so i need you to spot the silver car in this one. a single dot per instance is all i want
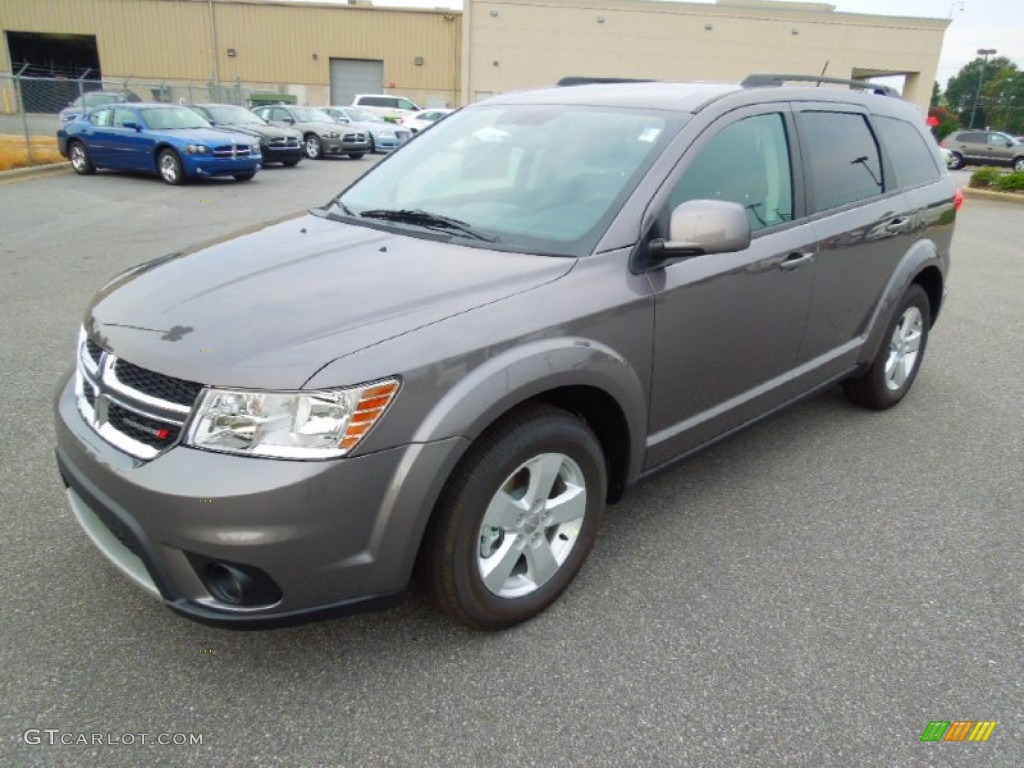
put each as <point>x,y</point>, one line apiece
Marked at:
<point>984,148</point>
<point>384,136</point>
<point>451,368</point>
<point>321,134</point>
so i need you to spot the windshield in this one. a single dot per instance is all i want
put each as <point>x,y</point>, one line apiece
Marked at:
<point>233,115</point>
<point>534,178</point>
<point>363,115</point>
<point>172,117</point>
<point>311,115</point>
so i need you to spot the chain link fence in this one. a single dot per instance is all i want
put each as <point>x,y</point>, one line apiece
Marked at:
<point>31,106</point>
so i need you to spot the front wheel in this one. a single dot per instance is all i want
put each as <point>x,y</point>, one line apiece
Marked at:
<point>313,147</point>
<point>895,367</point>
<point>1018,165</point>
<point>169,165</point>
<point>517,519</point>
<point>956,161</point>
<point>80,160</point>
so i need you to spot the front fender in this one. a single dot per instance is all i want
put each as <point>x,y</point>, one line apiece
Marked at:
<point>525,371</point>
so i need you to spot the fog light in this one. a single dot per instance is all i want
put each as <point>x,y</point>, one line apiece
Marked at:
<point>234,583</point>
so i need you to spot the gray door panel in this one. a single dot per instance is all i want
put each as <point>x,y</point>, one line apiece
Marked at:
<point>725,325</point>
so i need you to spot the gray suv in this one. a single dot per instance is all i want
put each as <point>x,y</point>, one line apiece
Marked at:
<point>450,369</point>
<point>983,148</point>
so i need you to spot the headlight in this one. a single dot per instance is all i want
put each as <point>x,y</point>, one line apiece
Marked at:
<point>387,134</point>
<point>256,149</point>
<point>196,149</point>
<point>322,424</point>
<point>331,135</point>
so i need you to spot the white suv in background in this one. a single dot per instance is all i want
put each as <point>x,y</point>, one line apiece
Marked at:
<point>389,107</point>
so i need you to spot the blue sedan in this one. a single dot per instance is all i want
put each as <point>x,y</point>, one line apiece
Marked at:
<point>169,140</point>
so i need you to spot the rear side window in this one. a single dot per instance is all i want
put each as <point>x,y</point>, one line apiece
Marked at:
<point>843,158</point>
<point>377,101</point>
<point>746,163</point>
<point>912,159</point>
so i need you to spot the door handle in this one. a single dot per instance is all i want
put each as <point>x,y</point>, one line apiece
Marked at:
<point>898,226</point>
<point>795,260</point>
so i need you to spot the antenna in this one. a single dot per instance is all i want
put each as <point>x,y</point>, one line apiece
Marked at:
<point>823,70</point>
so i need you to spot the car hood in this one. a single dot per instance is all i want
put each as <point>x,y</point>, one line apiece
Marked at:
<point>271,307</point>
<point>260,131</point>
<point>211,136</point>
<point>338,128</point>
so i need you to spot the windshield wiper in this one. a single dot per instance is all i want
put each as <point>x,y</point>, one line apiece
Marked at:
<point>427,220</point>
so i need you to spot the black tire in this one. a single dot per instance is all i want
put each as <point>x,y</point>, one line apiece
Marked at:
<point>168,165</point>
<point>312,147</point>
<point>246,176</point>
<point>1018,165</point>
<point>890,377</point>
<point>956,161</point>
<point>373,144</point>
<point>504,460</point>
<point>78,154</point>
<point>356,155</point>
<point>291,162</point>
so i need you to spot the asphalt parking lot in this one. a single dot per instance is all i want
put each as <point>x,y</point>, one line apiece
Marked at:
<point>811,592</point>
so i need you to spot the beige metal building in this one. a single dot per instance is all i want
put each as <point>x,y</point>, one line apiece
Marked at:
<point>302,47</point>
<point>323,53</point>
<point>512,44</point>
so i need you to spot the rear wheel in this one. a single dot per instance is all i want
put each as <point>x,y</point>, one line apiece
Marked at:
<point>895,367</point>
<point>1018,165</point>
<point>956,161</point>
<point>169,165</point>
<point>80,160</point>
<point>517,519</point>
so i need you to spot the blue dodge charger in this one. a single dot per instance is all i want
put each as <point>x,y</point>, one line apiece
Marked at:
<point>169,140</point>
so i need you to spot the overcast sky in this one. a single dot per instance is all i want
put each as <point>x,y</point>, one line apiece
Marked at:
<point>976,24</point>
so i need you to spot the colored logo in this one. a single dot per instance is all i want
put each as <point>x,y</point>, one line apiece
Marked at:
<point>958,730</point>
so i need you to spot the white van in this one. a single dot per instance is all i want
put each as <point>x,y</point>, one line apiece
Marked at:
<point>389,107</point>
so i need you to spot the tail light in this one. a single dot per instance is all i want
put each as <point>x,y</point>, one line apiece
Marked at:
<point>958,199</point>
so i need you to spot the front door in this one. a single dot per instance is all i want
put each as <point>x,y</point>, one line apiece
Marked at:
<point>728,326</point>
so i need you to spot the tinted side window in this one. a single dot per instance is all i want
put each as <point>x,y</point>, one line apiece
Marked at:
<point>405,104</point>
<point>375,101</point>
<point>912,158</point>
<point>746,163</point>
<point>843,157</point>
<point>972,138</point>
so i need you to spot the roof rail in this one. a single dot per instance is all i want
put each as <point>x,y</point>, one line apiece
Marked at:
<point>763,80</point>
<point>575,80</point>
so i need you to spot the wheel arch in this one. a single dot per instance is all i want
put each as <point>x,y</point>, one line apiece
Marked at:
<point>922,265</point>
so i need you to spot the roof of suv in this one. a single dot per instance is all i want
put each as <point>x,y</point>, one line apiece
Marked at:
<point>684,97</point>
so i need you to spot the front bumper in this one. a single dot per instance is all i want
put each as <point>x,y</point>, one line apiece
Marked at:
<point>341,147</point>
<point>205,165</point>
<point>333,536</point>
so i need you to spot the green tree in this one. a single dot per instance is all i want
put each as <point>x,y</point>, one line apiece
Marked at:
<point>962,89</point>
<point>936,94</point>
<point>1004,101</point>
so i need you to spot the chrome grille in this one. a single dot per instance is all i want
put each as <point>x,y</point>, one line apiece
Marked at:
<point>355,137</point>
<point>233,150</point>
<point>281,142</point>
<point>140,412</point>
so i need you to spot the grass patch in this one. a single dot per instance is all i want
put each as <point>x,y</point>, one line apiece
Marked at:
<point>14,153</point>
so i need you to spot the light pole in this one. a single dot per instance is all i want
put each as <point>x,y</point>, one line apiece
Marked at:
<point>984,52</point>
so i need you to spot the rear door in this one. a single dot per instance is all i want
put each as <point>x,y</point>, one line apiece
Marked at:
<point>728,326</point>
<point>863,226</point>
<point>97,136</point>
<point>1000,148</point>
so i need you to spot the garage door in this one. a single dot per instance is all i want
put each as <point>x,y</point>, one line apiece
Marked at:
<point>352,76</point>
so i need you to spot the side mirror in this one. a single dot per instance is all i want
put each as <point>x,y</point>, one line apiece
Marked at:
<point>703,226</point>
<point>131,124</point>
<point>290,120</point>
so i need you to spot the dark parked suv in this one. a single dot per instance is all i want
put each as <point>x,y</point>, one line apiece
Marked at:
<point>453,366</point>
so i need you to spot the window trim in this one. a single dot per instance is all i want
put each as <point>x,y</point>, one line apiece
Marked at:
<point>889,168</point>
